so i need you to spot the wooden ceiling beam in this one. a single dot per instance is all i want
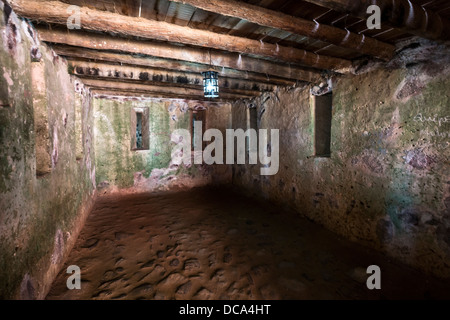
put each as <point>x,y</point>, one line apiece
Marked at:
<point>402,14</point>
<point>167,86</point>
<point>109,93</point>
<point>144,75</point>
<point>56,12</point>
<point>77,53</point>
<point>168,51</point>
<point>278,20</point>
<point>180,90</point>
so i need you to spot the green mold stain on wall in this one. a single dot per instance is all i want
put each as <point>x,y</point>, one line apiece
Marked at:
<point>115,160</point>
<point>32,208</point>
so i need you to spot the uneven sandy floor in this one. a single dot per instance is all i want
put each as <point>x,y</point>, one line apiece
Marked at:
<point>216,244</point>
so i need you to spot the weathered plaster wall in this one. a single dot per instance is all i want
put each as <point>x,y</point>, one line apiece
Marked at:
<point>121,168</point>
<point>40,217</point>
<point>387,182</point>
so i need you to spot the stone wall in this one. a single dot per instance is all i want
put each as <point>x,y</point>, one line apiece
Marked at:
<point>119,167</point>
<point>387,181</point>
<point>41,209</point>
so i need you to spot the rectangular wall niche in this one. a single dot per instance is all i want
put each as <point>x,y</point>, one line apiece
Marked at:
<point>140,130</point>
<point>322,124</point>
<point>78,127</point>
<point>4,94</point>
<point>197,136</point>
<point>43,143</point>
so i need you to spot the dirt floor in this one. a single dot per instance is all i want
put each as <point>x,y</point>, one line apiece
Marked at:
<point>217,244</point>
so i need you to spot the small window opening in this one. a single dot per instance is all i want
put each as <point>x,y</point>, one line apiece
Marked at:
<point>139,130</point>
<point>140,139</point>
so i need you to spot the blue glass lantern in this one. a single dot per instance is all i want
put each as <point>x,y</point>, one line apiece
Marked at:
<point>211,84</point>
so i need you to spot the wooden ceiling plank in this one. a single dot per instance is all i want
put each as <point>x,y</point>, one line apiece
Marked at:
<point>56,12</point>
<point>145,75</point>
<point>152,88</point>
<point>100,93</point>
<point>402,14</point>
<point>282,21</point>
<point>75,53</point>
<point>165,50</point>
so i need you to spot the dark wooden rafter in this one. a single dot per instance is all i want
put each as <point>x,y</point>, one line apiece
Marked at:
<point>168,51</point>
<point>180,90</point>
<point>278,20</point>
<point>110,93</point>
<point>402,14</point>
<point>56,12</point>
<point>111,71</point>
<point>167,86</point>
<point>80,54</point>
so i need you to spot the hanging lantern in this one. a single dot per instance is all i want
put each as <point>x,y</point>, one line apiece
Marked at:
<point>211,84</point>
